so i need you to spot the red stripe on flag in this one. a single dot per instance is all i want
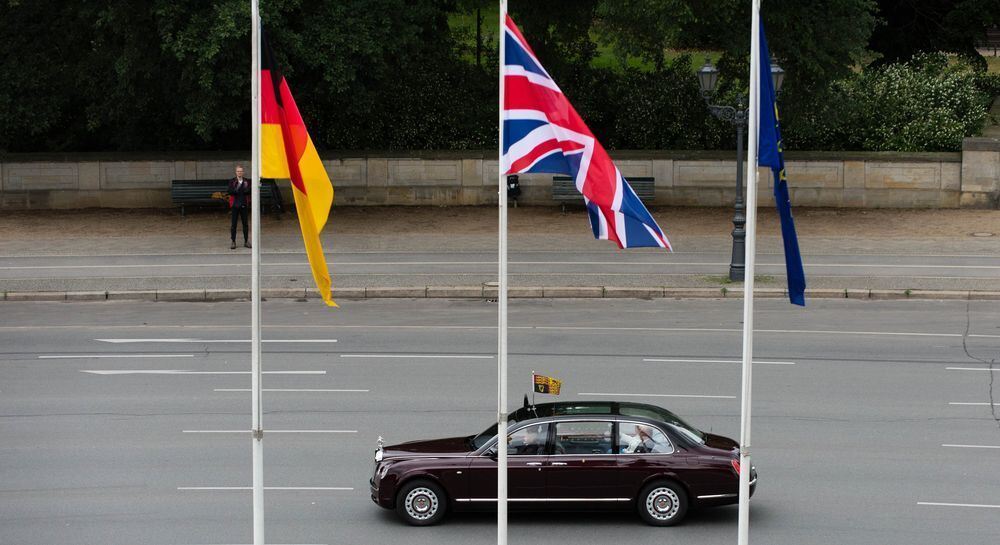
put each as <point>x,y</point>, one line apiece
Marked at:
<point>521,94</point>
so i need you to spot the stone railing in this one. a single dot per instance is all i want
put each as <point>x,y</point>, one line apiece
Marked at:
<point>970,178</point>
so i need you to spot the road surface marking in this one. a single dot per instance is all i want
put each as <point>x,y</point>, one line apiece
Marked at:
<point>958,504</point>
<point>490,263</point>
<point>442,356</point>
<point>971,446</point>
<point>265,488</point>
<point>285,390</point>
<point>665,360</point>
<point>270,431</point>
<point>89,356</point>
<point>975,404</point>
<point>655,395</point>
<point>185,372</point>
<point>970,369</point>
<point>208,341</point>
<point>493,328</point>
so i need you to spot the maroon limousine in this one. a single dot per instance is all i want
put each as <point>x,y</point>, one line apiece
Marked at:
<point>571,455</point>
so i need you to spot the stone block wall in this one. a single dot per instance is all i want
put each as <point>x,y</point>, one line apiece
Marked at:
<point>970,178</point>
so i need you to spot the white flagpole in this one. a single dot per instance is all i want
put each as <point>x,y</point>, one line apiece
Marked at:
<point>502,312</point>
<point>748,281</point>
<point>257,433</point>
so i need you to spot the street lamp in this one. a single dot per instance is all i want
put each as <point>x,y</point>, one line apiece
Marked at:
<point>708,79</point>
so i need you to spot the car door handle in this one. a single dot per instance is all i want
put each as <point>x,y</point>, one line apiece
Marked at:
<point>558,463</point>
<point>533,463</point>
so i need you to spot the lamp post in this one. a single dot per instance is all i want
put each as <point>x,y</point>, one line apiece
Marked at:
<point>708,79</point>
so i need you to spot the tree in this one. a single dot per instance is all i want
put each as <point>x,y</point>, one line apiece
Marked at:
<point>909,27</point>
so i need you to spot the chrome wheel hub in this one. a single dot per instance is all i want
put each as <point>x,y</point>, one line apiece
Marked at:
<point>662,503</point>
<point>421,503</point>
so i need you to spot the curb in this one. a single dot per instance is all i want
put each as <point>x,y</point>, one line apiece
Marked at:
<point>490,292</point>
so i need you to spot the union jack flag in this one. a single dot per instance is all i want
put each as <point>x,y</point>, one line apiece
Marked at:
<point>543,133</point>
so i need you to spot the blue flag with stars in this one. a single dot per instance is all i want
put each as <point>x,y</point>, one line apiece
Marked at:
<point>770,154</point>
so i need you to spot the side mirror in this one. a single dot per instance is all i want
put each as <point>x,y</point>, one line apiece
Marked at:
<point>492,453</point>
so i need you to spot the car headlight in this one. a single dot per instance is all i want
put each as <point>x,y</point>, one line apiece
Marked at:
<point>382,470</point>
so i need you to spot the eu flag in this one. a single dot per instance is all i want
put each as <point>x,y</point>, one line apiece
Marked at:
<point>769,153</point>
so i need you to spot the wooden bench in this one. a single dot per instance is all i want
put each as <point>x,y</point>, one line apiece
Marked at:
<point>215,192</point>
<point>564,189</point>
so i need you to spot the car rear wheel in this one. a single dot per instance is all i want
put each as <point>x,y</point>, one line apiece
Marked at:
<point>662,503</point>
<point>421,503</point>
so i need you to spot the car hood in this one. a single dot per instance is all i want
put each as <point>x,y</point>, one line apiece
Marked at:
<point>720,442</point>
<point>447,446</point>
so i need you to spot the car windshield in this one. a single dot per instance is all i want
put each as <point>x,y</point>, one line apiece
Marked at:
<point>478,441</point>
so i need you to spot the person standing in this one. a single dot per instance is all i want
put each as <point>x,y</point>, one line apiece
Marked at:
<point>239,204</point>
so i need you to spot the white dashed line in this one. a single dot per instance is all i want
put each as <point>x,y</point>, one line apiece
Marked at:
<point>664,360</point>
<point>655,395</point>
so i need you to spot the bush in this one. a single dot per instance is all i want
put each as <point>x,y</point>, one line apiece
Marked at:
<point>925,104</point>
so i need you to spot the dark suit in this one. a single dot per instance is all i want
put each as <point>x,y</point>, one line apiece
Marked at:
<point>239,202</point>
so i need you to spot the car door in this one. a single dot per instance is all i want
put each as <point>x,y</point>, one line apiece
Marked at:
<point>527,461</point>
<point>582,464</point>
<point>643,451</point>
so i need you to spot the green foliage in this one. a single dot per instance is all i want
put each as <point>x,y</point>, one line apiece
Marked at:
<point>925,104</point>
<point>402,74</point>
<point>930,26</point>
<point>664,110</point>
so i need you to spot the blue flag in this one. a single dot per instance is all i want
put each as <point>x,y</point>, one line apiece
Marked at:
<point>769,154</point>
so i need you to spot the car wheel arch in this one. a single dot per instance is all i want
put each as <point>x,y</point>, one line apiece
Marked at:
<point>403,480</point>
<point>662,477</point>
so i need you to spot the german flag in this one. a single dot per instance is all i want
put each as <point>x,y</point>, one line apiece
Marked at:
<point>287,152</point>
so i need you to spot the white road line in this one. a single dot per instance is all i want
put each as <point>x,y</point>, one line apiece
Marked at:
<point>286,390</point>
<point>971,446</point>
<point>665,360</point>
<point>210,341</point>
<point>228,488</point>
<point>939,504</point>
<point>974,404</point>
<point>971,369</point>
<point>493,328</point>
<point>490,263</point>
<point>185,372</point>
<point>90,356</point>
<point>654,395</point>
<point>440,356</point>
<point>727,330</point>
<point>270,431</point>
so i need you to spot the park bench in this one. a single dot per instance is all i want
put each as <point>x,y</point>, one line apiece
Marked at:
<point>564,190</point>
<point>215,192</point>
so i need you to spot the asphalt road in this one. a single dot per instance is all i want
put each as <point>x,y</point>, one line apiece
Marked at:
<point>851,415</point>
<point>604,267</point>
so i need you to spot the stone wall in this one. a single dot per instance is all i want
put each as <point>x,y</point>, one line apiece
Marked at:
<point>970,178</point>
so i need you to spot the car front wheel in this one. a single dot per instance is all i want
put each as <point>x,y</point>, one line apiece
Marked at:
<point>421,503</point>
<point>662,504</point>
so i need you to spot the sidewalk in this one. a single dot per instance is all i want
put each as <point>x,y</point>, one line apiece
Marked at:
<point>964,244</point>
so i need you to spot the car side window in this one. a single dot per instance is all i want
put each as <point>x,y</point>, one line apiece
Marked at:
<point>636,438</point>
<point>528,441</point>
<point>583,438</point>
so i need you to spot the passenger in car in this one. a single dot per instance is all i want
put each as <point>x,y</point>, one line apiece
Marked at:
<point>638,439</point>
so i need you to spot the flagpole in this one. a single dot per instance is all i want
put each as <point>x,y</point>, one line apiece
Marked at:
<point>748,282</point>
<point>502,308</point>
<point>257,432</point>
